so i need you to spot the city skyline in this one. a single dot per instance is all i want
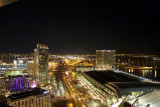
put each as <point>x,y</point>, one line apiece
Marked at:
<point>79,54</point>
<point>104,79</point>
<point>78,27</point>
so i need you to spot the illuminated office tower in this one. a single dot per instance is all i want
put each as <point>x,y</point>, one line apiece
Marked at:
<point>105,59</point>
<point>41,63</point>
<point>36,64</point>
<point>30,67</point>
<point>20,64</point>
<point>5,2</point>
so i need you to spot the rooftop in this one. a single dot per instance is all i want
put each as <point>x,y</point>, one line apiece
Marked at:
<point>28,93</point>
<point>135,84</point>
<point>110,76</point>
<point>152,98</point>
<point>122,83</point>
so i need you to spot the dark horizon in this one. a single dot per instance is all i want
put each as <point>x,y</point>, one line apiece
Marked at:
<point>75,53</point>
<point>81,27</point>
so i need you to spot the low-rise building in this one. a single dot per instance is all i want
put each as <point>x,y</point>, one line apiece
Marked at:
<point>13,81</point>
<point>33,98</point>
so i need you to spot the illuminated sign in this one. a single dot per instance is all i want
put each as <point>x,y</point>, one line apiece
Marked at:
<point>33,84</point>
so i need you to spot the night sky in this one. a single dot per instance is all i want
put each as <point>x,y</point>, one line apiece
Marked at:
<point>81,27</point>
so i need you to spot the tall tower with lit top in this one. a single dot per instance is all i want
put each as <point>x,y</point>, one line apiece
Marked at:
<point>41,63</point>
<point>105,59</point>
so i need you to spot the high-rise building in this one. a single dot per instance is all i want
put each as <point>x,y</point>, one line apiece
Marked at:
<point>30,67</point>
<point>41,63</point>
<point>31,98</point>
<point>105,59</point>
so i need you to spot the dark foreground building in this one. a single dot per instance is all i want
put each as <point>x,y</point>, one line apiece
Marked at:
<point>33,98</point>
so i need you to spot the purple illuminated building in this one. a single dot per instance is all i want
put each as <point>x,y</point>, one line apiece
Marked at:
<point>18,83</point>
<point>13,83</point>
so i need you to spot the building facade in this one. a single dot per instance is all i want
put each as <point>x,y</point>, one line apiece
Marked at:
<point>3,85</point>
<point>18,83</point>
<point>30,67</point>
<point>13,81</point>
<point>105,59</point>
<point>41,63</point>
<point>32,98</point>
